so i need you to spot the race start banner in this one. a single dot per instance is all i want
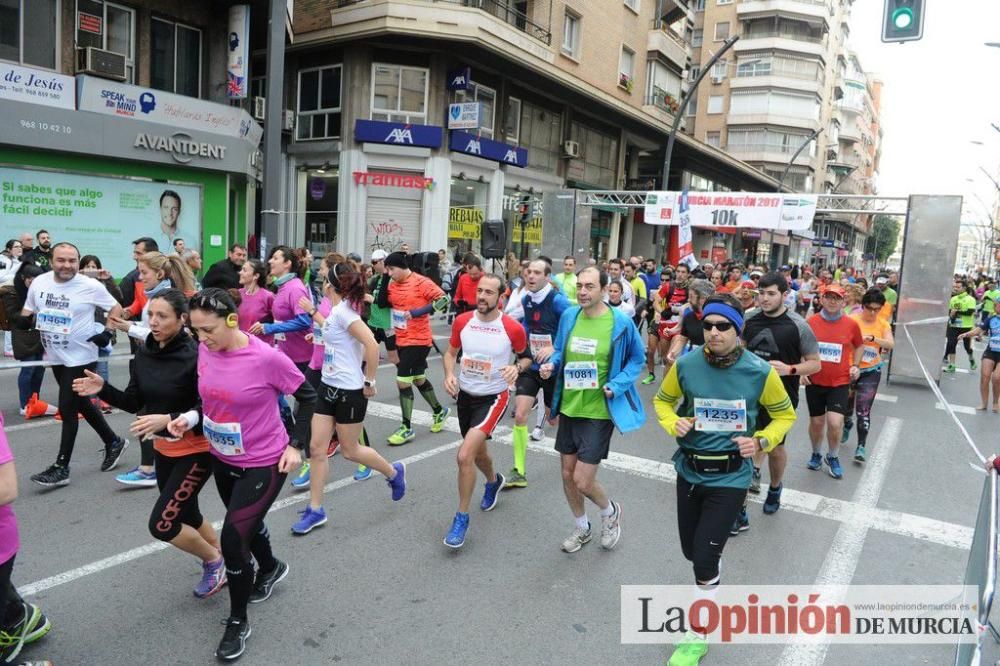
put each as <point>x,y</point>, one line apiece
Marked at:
<point>733,209</point>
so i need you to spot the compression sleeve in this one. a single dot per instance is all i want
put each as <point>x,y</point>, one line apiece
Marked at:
<point>775,400</point>
<point>666,401</point>
<point>301,322</point>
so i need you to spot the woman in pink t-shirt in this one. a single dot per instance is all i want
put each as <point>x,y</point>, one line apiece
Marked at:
<point>291,324</point>
<point>256,299</point>
<point>239,380</point>
<point>20,621</point>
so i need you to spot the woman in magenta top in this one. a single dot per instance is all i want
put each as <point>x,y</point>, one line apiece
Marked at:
<point>291,324</point>
<point>256,300</point>
<point>239,380</point>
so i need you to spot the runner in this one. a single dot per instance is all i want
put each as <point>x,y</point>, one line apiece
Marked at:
<point>543,306</point>
<point>256,300</point>
<point>566,280</point>
<point>990,373</point>
<point>616,271</point>
<point>488,339</point>
<point>961,319</point>
<point>668,304</point>
<point>616,298</point>
<point>877,335</point>
<point>840,351</point>
<point>163,385</point>
<point>597,359</point>
<point>61,305</point>
<point>379,316</point>
<point>717,430</point>
<point>239,381</point>
<point>412,298</point>
<point>20,622</point>
<point>349,364</point>
<point>781,337</point>
<point>689,331</point>
<point>465,290</point>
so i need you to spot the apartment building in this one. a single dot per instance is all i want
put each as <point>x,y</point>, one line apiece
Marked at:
<point>560,95</point>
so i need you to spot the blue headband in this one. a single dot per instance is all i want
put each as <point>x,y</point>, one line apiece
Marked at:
<point>727,311</point>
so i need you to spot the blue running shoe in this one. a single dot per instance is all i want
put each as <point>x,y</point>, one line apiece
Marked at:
<point>459,526</point>
<point>491,493</point>
<point>773,501</point>
<point>398,482</point>
<point>815,462</point>
<point>310,518</point>
<point>836,471</point>
<point>213,577</point>
<point>362,473</point>
<point>137,477</point>
<point>301,480</point>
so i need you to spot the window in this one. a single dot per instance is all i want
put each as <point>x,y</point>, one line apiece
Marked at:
<point>633,5</point>
<point>175,58</point>
<point>694,72</point>
<point>713,138</point>
<point>699,5</point>
<point>599,152</point>
<point>777,103</point>
<point>399,94</point>
<point>722,31</point>
<point>626,64</point>
<point>258,87</point>
<point>29,32</point>
<point>487,97</point>
<point>724,2</point>
<point>571,35</point>
<point>319,103</point>
<point>719,69</point>
<point>692,107</point>
<point>541,134</point>
<point>715,103</point>
<point>696,37</point>
<point>512,121</point>
<point>754,67</point>
<point>769,140</point>
<point>107,26</point>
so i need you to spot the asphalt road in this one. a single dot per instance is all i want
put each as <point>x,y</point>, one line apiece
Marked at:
<point>376,585</point>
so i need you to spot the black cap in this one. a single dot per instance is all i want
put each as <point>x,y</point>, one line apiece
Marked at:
<point>397,259</point>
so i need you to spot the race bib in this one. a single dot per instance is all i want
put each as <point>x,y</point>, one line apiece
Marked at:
<point>830,352</point>
<point>585,346</point>
<point>477,366</point>
<point>580,375</point>
<point>539,341</point>
<point>720,415</point>
<point>54,321</point>
<point>226,438</point>
<point>328,368</point>
<point>317,334</point>
<point>399,320</point>
<point>870,355</point>
<point>279,337</point>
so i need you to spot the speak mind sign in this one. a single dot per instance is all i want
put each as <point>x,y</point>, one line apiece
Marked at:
<point>734,209</point>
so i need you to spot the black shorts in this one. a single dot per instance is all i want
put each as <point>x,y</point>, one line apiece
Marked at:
<point>481,412</point>
<point>346,406</point>
<point>381,336</point>
<point>412,361</point>
<point>823,399</point>
<point>763,418</point>
<point>588,439</point>
<point>530,383</point>
<point>991,356</point>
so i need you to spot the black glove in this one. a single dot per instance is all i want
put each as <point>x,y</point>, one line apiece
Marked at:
<point>24,322</point>
<point>102,340</point>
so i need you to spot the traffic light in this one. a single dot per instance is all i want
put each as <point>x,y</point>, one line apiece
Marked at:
<point>903,20</point>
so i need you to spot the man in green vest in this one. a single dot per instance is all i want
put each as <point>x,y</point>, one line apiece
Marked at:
<point>990,296</point>
<point>567,279</point>
<point>961,319</point>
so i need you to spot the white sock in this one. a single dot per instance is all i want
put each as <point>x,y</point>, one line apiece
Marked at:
<point>582,522</point>
<point>51,409</point>
<point>609,510</point>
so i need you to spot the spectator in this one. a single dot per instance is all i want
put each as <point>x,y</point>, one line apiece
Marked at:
<point>179,247</point>
<point>193,260</point>
<point>140,246</point>
<point>225,274</point>
<point>10,260</point>
<point>40,256</point>
<point>26,344</point>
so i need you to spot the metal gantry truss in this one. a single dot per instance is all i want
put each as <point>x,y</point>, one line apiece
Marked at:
<point>844,204</point>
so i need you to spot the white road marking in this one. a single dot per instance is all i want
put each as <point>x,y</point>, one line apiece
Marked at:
<point>842,558</point>
<point>959,409</point>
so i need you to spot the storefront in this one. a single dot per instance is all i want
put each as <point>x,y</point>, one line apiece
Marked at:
<point>130,162</point>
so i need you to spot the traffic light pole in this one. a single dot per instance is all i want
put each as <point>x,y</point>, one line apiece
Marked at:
<point>271,228</point>
<point>784,174</point>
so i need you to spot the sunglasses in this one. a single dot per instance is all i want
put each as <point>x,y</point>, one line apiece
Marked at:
<point>873,308</point>
<point>720,326</point>
<point>209,303</point>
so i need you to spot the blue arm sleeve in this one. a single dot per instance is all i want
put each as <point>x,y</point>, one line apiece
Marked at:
<point>302,322</point>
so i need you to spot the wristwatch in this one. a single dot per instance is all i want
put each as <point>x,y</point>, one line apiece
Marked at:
<point>763,443</point>
<point>793,369</point>
<point>369,383</point>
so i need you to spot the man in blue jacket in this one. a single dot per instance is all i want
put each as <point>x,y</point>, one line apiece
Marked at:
<point>597,359</point>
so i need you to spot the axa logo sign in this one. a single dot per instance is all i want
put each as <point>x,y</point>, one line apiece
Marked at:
<point>474,148</point>
<point>402,135</point>
<point>510,157</point>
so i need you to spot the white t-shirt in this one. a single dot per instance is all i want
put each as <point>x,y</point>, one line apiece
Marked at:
<point>343,354</point>
<point>514,307</point>
<point>64,314</point>
<point>486,348</point>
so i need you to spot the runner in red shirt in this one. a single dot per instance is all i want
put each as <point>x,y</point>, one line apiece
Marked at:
<point>465,291</point>
<point>840,350</point>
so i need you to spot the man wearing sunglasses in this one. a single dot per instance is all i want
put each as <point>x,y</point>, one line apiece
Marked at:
<point>841,348</point>
<point>711,401</point>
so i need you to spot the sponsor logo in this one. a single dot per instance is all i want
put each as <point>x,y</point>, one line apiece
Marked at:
<point>180,145</point>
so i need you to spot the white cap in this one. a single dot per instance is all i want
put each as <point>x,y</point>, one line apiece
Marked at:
<point>379,255</point>
<point>881,280</point>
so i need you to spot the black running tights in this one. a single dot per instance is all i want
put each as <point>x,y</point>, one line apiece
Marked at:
<point>704,517</point>
<point>71,404</point>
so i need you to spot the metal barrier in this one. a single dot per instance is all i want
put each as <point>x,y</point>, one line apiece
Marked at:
<point>981,570</point>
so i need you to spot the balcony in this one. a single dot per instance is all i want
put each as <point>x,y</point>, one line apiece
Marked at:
<point>849,130</point>
<point>769,118</point>
<point>787,81</point>
<point>773,154</point>
<point>661,104</point>
<point>772,40</point>
<point>814,12</point>
<point>672,46</point>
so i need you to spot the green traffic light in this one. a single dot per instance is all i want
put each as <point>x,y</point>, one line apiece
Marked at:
<point>902,18</point>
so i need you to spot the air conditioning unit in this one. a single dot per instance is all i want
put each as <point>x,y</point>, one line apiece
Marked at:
<point>718,79</point>
<point>106,64</point>
<point>287,120</point>
<point>571,149</point>
<point>258,108</point>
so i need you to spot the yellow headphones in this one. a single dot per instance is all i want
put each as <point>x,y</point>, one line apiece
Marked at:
<point>232,321</point>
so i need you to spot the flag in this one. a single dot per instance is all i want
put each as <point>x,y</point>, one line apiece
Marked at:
<point>685,241</point>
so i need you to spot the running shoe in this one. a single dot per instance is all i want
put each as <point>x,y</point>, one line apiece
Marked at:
<point>537,434</point>
<point>113,453</point>
<point>137,477</point>
<point>402,436</point>
<point>439,418</point>
<point>12,638</point>
<point>398,482</point>
<point>950,368</point>
<point>263,584</point>
<point>301,480</point>
<point>234,640</point>
<point>55,475</point>
<point>577,539</point>
<point>972,363</point>
<point>611,527</point>
<point>742,523</point>
<point>38,625</point>
<point>836,471</point>
<point>689,651</point>
<point>362,473</point>
<point>773,501</point>
<point>459,526</point>
<point>213,577</point>
<point>859,454</point>
<point>515,479</point>
<point>650,378</point>
<point>755,481</point>
<point>491,493</point>
<point>105,407</point>
<point>310,518</point>
<point>815,462</point>
<point>846,432</point>
<point>332,447</point>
